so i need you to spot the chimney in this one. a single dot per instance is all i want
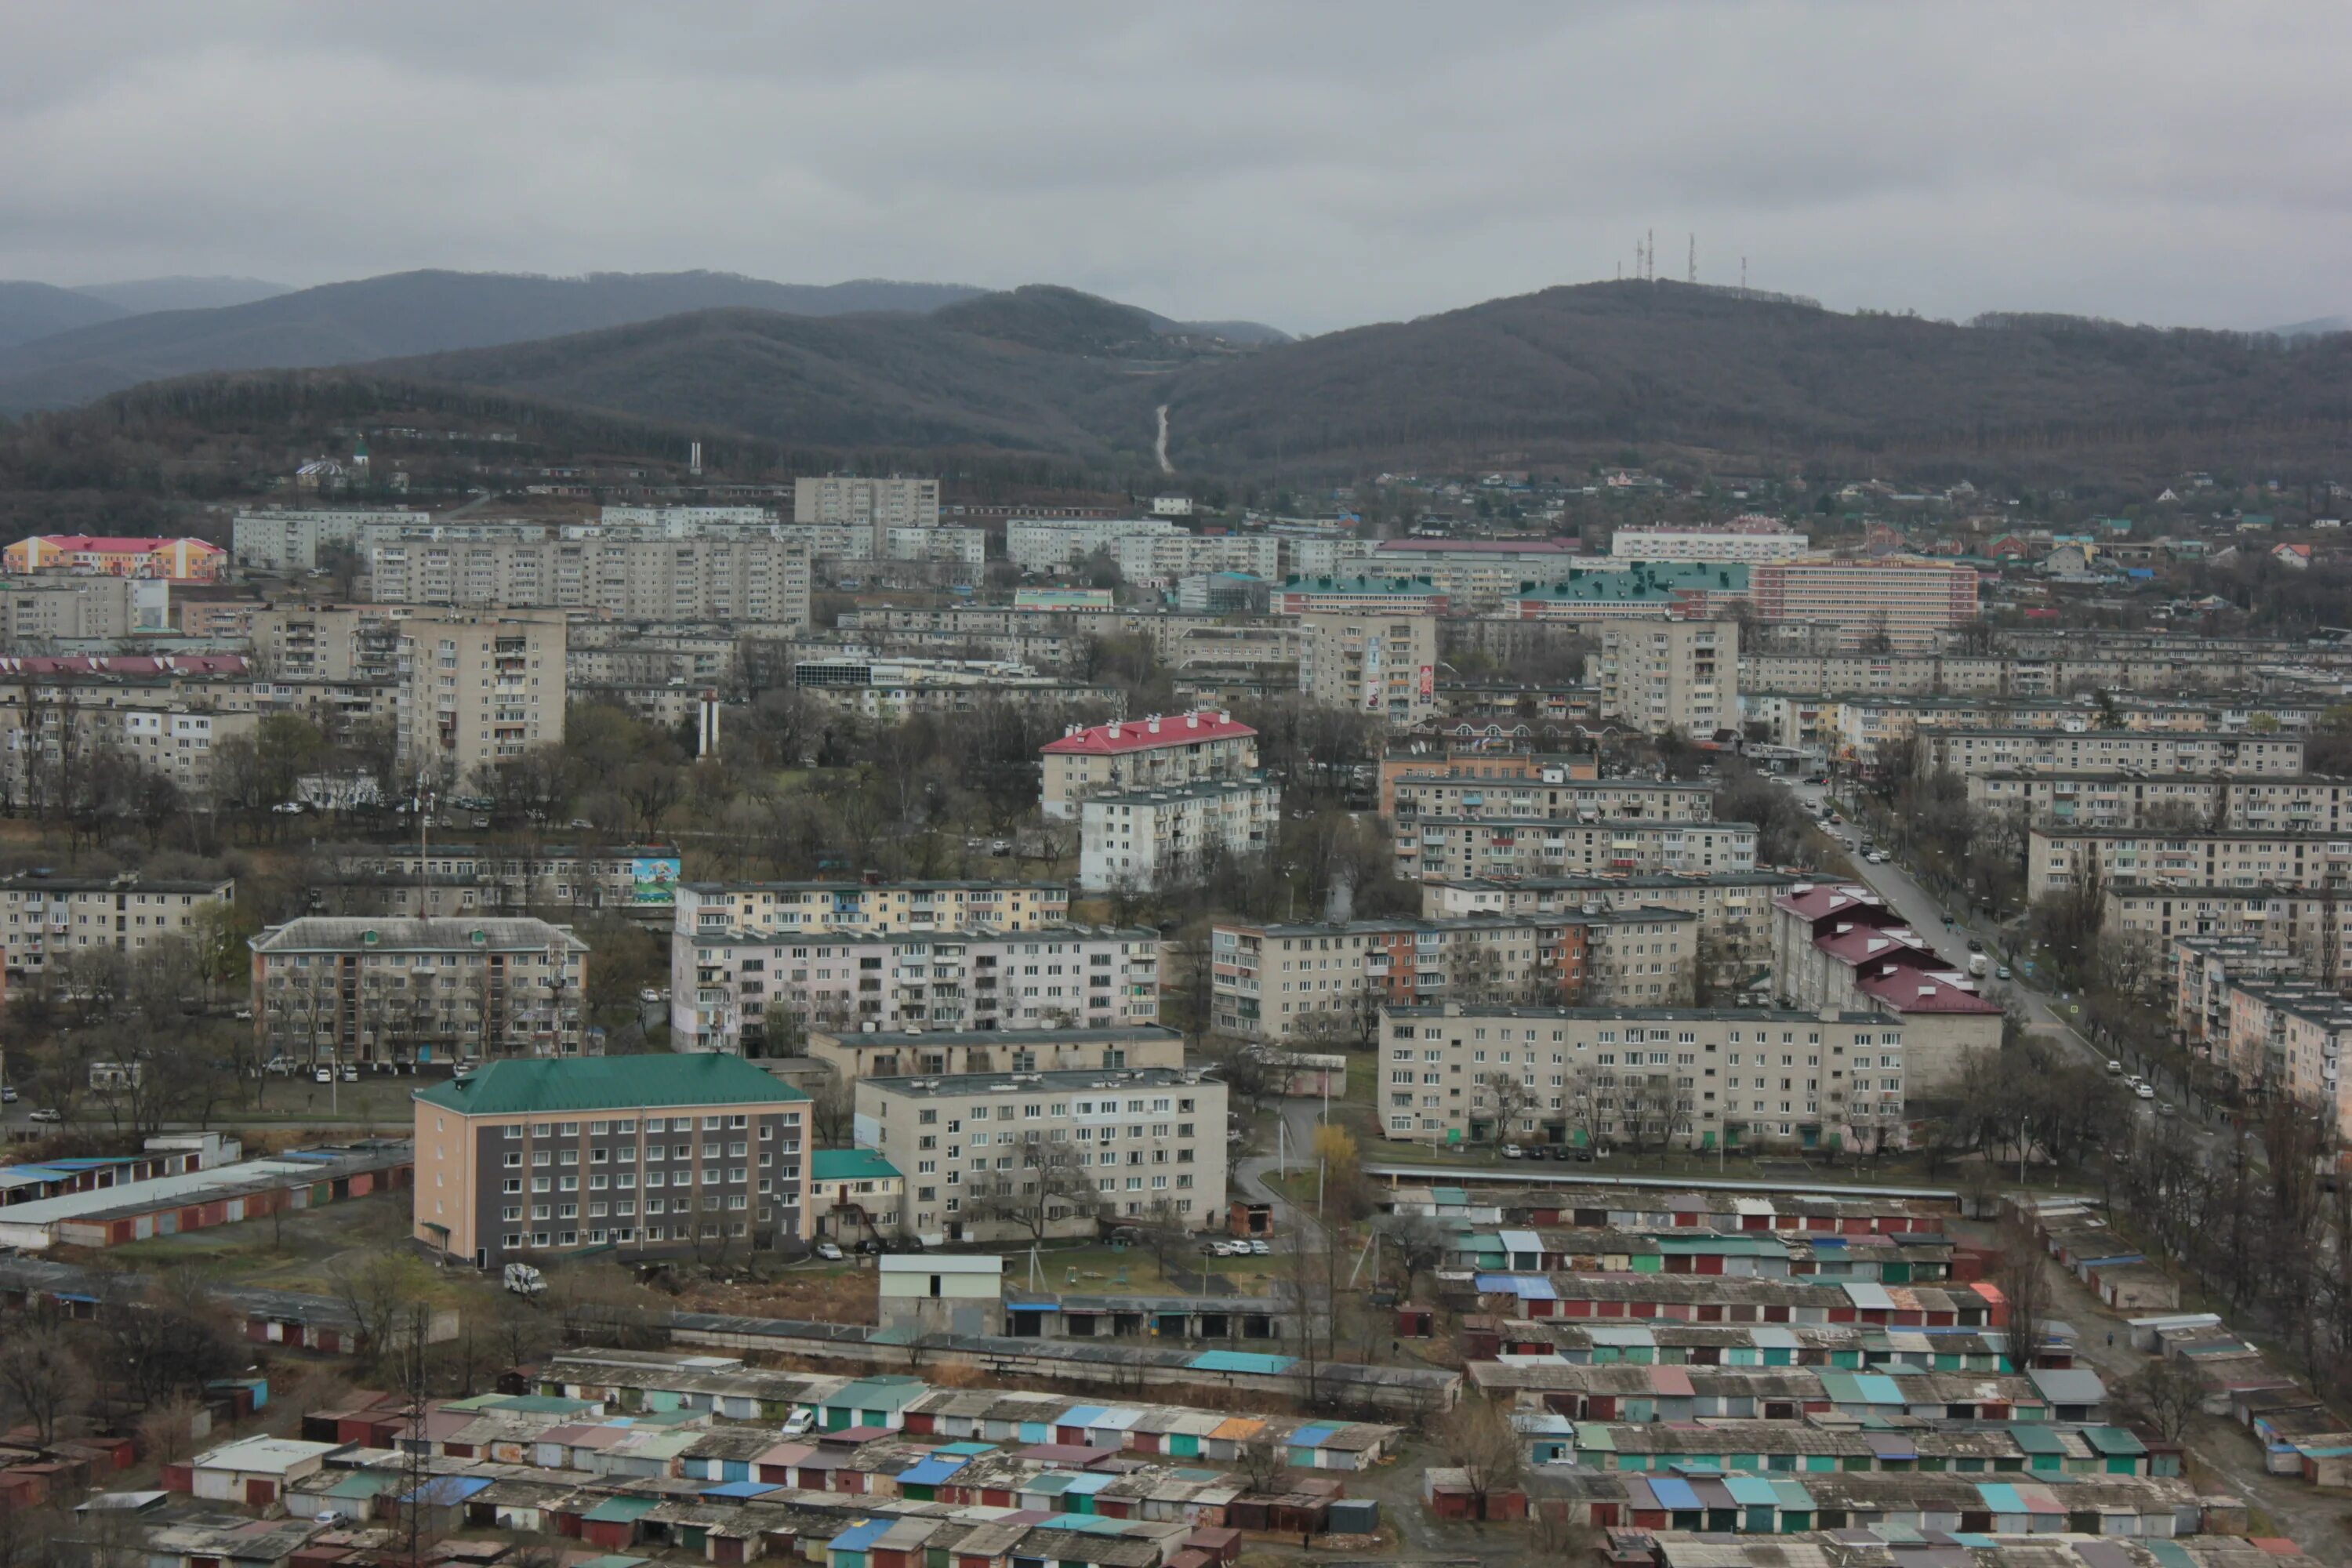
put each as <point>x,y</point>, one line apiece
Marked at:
<point>1112,731</point>
<point>1153,723</point>
<point>1192,721</point>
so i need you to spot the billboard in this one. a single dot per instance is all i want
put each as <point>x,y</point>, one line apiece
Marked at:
<point>653,880</point>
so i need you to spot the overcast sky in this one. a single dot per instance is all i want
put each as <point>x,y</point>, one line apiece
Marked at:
<point>1314,166</point>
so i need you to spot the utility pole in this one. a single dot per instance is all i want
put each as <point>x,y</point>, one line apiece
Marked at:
<point>1694,258</point>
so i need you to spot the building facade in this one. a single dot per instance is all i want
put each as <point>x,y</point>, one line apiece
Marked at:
<point>48,916</point>
<point>1048,543</point>
<point>1908,602</point>
<point>996,1158</point>
<point>1152,752</point>
<point>1668,541</point>
<point>931,1053</point>
<point>1842,947</point>
<point>478,689</point>
<point>1141,839</point>
<point>1968,752</point>
<point>758,908</point>
<point>526,1159</point>
<point>329,991</point>
<point>1681,675</point>
<point>1445,847</point>
<point>757,578</point>
<point>1383,664</point>
<point>2058,858</point>
<point>875,505</point>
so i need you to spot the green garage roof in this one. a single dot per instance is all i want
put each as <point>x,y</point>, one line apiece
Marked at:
<point>525,1088</point>
<point>850,1165</point>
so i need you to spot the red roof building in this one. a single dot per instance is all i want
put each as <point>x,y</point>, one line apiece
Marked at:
<point>1152,752</point>
<point>1839,945</point>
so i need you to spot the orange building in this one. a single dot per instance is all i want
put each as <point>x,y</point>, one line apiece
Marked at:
<point>176,560</point>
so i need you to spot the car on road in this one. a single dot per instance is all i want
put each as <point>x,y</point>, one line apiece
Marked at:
<point>2114,1069</point>
<point>1876,857</point>
<point>581,824</point>
<point>7,1094</point>
<point>2163,1109</point>
<point>2002,974</point>
<point>482,822</point>
<point>2145,1092</point>
<point>649,995</point>
<point>45,1114</point>
<point>1974,945</point>
<point>829,1251</point>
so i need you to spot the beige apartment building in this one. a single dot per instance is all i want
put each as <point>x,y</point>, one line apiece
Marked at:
<point>997,1158</point>
<point>2314,924</point>
<point>61,607</point>
<point>2289,1040</point>
<point>929,1053</point>
<point>329,991</point>
<point>1441,848</point>
<point>1371,661</point>
<point>354,642</point>
<point>1681,675</point>
<point>2057,858</point>
<point>50,917</point>
<point>1153,753</point>
<point>1735,933</point>
<point>1984,750</point>
<point>2205,968</point>
<point>651,1153</point>
<point>477,689</point>
<point>2218,801</point>
<point>754,908</point>
<point>1550,789</point>
<point>752,578</point>
<point>875,505</point>
<point>1647,1077</point>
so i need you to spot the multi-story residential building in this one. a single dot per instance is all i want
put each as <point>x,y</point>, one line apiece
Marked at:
<point>173,559</point>
<point>275,539</point>
<point>57,607</point>
<point>1381,663</point>
<point>302,642</point>
<point>890,690</point>
<point>2314,924</point>
<point>47,748</point>
<point>1141,839</point>
<point>2289,1040</point>
<point>1296,981</point>
<point>2205,968</point>
<point>1760,539</point>
<point>1984,750</point>
<point>684,521</point>
<point>1649,1078</point>
<point>1410,776</point>
<point>1162,558</point>
<point>758,578</point>
<point>1908,602</point>
<point>1364,598</point>
<point>328,990</point>
<point>478,689</point>
<point>1046,543</point>
<point>994,1157</point>
<point>456,880</point>
<point>929,1053</point>
<point>1640,590</point>
<point>1735,939</point>
<point>877,505</point>
<point>755,907</point>
<point>965,547</point>
<point>50,917</point>
<point>1440,847</point>
<point>1152,752</point>
<point>1681,675</point>
<point>1841,946</point>
<point>523,1159</point>
<point>1474,575</point>
<point>2058,857</point>
<point>2218,801</point>
<point>724,984</point>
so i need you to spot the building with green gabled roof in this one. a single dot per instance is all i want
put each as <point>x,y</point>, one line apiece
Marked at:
<point>632,1154</point>
<point>852,1194</point>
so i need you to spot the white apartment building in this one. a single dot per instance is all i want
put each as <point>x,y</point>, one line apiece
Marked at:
<point>723,983</point>
<point>1730,907</point>
<point>1151,752</point>
<point>1671,675</point>
<point>2289,1040</point>
<point>685,521</point>
<point>48,916</point>
<point>478,689</point>
<point>2058,857</point>
<point>1045,543</point>
<point>1666,542</point>
<point>1146,838</point>
<point>297,642</point>
<point>1438,848</point>
<point>61,607</point>
<point>1375,662</point>
<point>758,578</point>
<point>875,505</point>
<point>1969,751</point>
<point>931,1053</point>
<point>1553,790</point>
<point>1000,1158</point>
<point>1164,557</point>
<point>2314,924</point>
<point>794,907</point>
<point>289,541</point>
<point>2242,803</point>
<point>941,546</point>
<point>1647,1077</point>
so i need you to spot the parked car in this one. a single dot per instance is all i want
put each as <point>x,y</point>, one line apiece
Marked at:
<point>350,1072</point>
<point>7,1094</point>
<point>323,1075</point>
<point>649,995</point>
<point>829,1251</point>
<point>45,1114</point>
<point>798,1422</point>
<point>2165,1109</point>
<point>1210,1249</point>
<point>2114,1069</point>
<point>482,822</point>
<point>1265,1248</point>
<point>1513,1152</point>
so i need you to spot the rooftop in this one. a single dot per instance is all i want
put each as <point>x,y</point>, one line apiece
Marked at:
<point>893,1038</point>
<point>1908,990</point>
<point>518,1087</point>
<point>1148,734</point>
<point>850,1165</point>
<point>1007,1082</point>
<point>1636,1015</point>
<point>334,933</point>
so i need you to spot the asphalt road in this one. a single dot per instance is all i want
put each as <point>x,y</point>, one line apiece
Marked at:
<point>2045,1011</point>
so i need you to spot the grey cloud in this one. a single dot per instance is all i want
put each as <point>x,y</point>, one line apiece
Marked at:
<point>1313,165</point>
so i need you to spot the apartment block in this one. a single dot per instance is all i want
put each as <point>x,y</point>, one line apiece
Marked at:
<point>2058,857</point>
<point>1984,750</point>
<point>1668,541</point>
<point>2204,969</point>
<point>478,689</point>
<point>1162,558</point>
<point>1142,839</point>
<point>930,1053</point>
<point>1554,787</point>
<point>877,505</point>
<point>159,724</point>
<point>48,916</point>
<point>757,578</point>
<point>1152,752</point>
<point>290,541</point>
<point>1374,662</point>
<point>1841,946</point>
<point>724,984</point>
<point>1681,675</point>
<point>1441,847</point>
<point>2312,924</point>
<point>2219,802</point>
<point>456,880</point>
<point>1909,602</point>
<point>1048,543</point>
<point>1645,1078</point>
<point>524,1159</point>
<point>66,607</point>
<point>2289,1040</point>
<point>758,908</point>
<point>302,642</point>
<point>1004,1157</point>
<point>328,990</point>
<point>1364,598</point>
<point>1294,981</point>
<point>1734,934</point>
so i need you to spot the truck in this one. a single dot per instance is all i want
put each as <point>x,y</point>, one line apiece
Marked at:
<point>523,1280</point>
<point>1977,964</point>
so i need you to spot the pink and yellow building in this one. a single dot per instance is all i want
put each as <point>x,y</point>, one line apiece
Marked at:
<point>176,560</point>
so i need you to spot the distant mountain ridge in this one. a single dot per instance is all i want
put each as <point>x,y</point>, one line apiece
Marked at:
<point>139,296</point>
<point>30,311</point>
